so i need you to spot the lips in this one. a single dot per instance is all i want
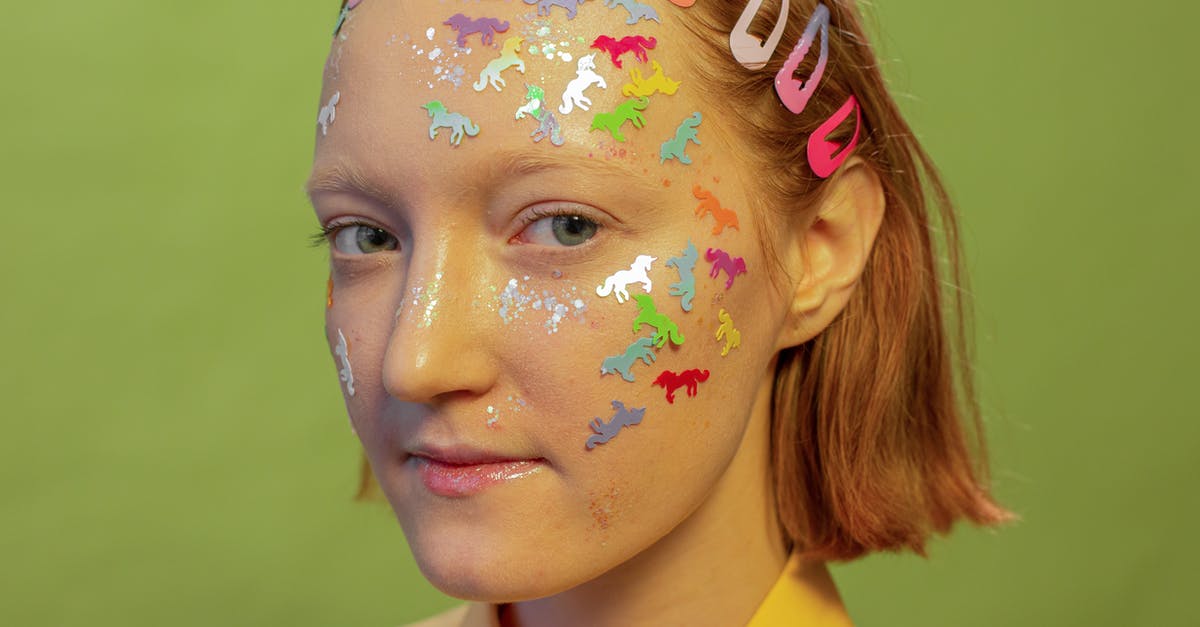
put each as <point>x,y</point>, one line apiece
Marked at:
<point>462,472</point>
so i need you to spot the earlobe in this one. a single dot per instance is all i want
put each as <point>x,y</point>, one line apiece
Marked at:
<point>827,256</point>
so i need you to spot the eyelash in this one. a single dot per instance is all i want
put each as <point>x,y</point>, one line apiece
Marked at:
<point>324,235</point>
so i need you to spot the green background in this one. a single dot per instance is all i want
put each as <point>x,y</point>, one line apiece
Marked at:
<point>175,450</point>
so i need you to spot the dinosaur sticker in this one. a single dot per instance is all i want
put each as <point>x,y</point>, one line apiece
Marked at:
<point>508,58</point>
<point>637,10</point>
<point>619,281</point>
<point>636,44</point>
<point>664,328</point>
<point>686,287</point>
<point>733,337</point>
<point>721,260</point>
<point>585,76</point>
<point>628,111</point>
<point>458,123</point>
<point>544,6</point>
<point>658,82</point>
<point>710,205</point>
<point>329,112</point>
<point>487,27</point>
<point>641,348</point>
<point>606,431</point>
<point>671,381</point>
<point>674,148</point>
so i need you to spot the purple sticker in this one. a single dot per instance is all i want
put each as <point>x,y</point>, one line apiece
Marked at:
<point>605,431</point>
<point>487,27</point>
<point>721,260</point>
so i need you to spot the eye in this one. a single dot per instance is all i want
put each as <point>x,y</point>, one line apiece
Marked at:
<point>559,230</point>
<point>362,239</point>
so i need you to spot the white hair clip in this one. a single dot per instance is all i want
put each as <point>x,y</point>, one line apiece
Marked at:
<point>749,50</point>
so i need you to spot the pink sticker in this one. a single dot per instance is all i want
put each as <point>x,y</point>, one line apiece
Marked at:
<point>796,93</point>
<point>823,155</point>
<point>636,44</point>
<point>721,260</point>
<point>749,50</point>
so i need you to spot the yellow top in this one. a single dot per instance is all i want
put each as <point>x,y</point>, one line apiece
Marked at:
<point>789,603</point>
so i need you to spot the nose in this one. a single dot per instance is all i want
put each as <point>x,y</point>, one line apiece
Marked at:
<point>441,344</point>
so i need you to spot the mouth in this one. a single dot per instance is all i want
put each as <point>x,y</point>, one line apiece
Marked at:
<point>460,472</point>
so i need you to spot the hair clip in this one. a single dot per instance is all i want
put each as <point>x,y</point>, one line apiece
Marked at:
<point>721,260</point>
<point>342,350</point>
<point>642,349</point>
<point>328,112</point>
<point>733,337</point>
<point>686,287</point>
<point>458,123</point>
<point>585,76</point>
<point>664,328</point>
<point>636,44</point>
<point>657,82</point>
<point>508,58</point>
<point>749,50</point>
<point>637,10</point>
<point>795,93</point>
<point>710,205</point>
<point>606,431</point>
<point>544,6</point>
<point>628,111</point>
<point>638,272</point>
<point>487,27</point>
<point>823,155</point>
<point>671,381</point>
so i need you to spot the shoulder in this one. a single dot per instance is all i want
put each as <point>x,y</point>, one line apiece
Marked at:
<point>469,615</point>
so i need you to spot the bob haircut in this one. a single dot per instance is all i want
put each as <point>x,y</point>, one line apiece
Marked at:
<point>877,440</point>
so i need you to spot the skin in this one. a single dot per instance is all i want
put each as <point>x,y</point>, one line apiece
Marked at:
<point>672,521</point>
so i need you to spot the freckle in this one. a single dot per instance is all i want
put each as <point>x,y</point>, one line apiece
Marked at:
<point>716,179</point>
<point>666,182</point>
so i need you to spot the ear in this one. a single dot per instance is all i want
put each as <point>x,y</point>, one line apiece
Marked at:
<point>826,257</point>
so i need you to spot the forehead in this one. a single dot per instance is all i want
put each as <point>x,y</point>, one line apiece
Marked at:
<point>400,73</point>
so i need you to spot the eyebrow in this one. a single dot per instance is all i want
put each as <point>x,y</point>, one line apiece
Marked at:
<point>344,177</point>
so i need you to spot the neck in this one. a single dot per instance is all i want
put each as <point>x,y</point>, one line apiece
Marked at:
<point>715,568</point>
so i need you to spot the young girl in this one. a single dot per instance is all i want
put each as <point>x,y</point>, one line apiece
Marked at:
<point>636,307</point>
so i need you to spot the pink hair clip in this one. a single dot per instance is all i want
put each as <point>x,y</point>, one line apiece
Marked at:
<point>823,155</point>
<point>795,93</point>
<point>747,49</point>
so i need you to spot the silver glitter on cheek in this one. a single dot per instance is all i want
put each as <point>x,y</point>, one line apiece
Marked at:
<point>517,299</point>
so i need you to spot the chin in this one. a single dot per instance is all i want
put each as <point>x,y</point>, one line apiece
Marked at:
<point>480,567</point>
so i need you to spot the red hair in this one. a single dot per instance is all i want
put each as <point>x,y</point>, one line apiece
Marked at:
<point>876,434</point>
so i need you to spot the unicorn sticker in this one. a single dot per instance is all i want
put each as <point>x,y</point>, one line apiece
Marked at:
<point>606,431</point>
<point>544,6</point>
<point>487,27</point>
<point>458,123</point>
<point>675,148</point>
<point>621,364</point>
<point>658,82</point>
<point>664,328</point>
<point>637,10</point>
<point>346,374</point>
<point>329,113</point>
<point>585,76</point>
<point>508,58</point>
<point>686,287</point>
<point>628,111</point>
<point>733,337</point>
<point>620,281</point>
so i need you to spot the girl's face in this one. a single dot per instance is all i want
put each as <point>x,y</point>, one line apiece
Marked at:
<point>501,385</point>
